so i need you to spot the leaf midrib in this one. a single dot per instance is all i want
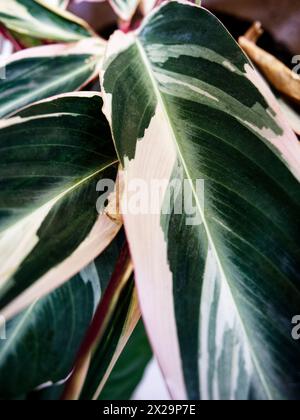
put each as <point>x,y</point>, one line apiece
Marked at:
<point>55,199</point>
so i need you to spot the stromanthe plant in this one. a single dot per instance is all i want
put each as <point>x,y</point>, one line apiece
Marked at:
<point>179,105</point>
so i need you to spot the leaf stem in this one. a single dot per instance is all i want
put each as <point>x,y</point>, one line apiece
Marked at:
<point>16,44</point>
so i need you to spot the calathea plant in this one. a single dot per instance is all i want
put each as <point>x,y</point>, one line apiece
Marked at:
<point>215,251</point>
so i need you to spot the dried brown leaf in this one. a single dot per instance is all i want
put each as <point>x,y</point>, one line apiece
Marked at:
<point>278,74</point>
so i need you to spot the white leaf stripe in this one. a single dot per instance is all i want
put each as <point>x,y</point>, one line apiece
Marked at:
<point>216,323</point>
<point>57,3</point>
<point>153,292</point>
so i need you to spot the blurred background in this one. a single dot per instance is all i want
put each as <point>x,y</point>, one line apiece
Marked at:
<point>281,18</point>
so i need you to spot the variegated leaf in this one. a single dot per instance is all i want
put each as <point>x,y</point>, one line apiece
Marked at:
<point>39,73</point>
<point>52,156</point>
<point>218,287</point>
<point>37,19</point>
<point>42,342</point>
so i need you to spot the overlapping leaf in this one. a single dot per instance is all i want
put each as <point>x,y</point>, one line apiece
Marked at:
<point>218,287</point>
<point>42,341</point>
<point>106,353</point>
<point>37,19</point>
<point>41,72</point>
<point>130,368</point>
<point>113,324</point>
<point>52,156</point>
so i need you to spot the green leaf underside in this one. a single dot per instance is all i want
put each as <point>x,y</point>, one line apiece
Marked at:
<point>33,18</point>
<point>236,281</point>
<point>49,170</point>
<point>42,341</point>
<point>130,368</point>
<point>35,78</point>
